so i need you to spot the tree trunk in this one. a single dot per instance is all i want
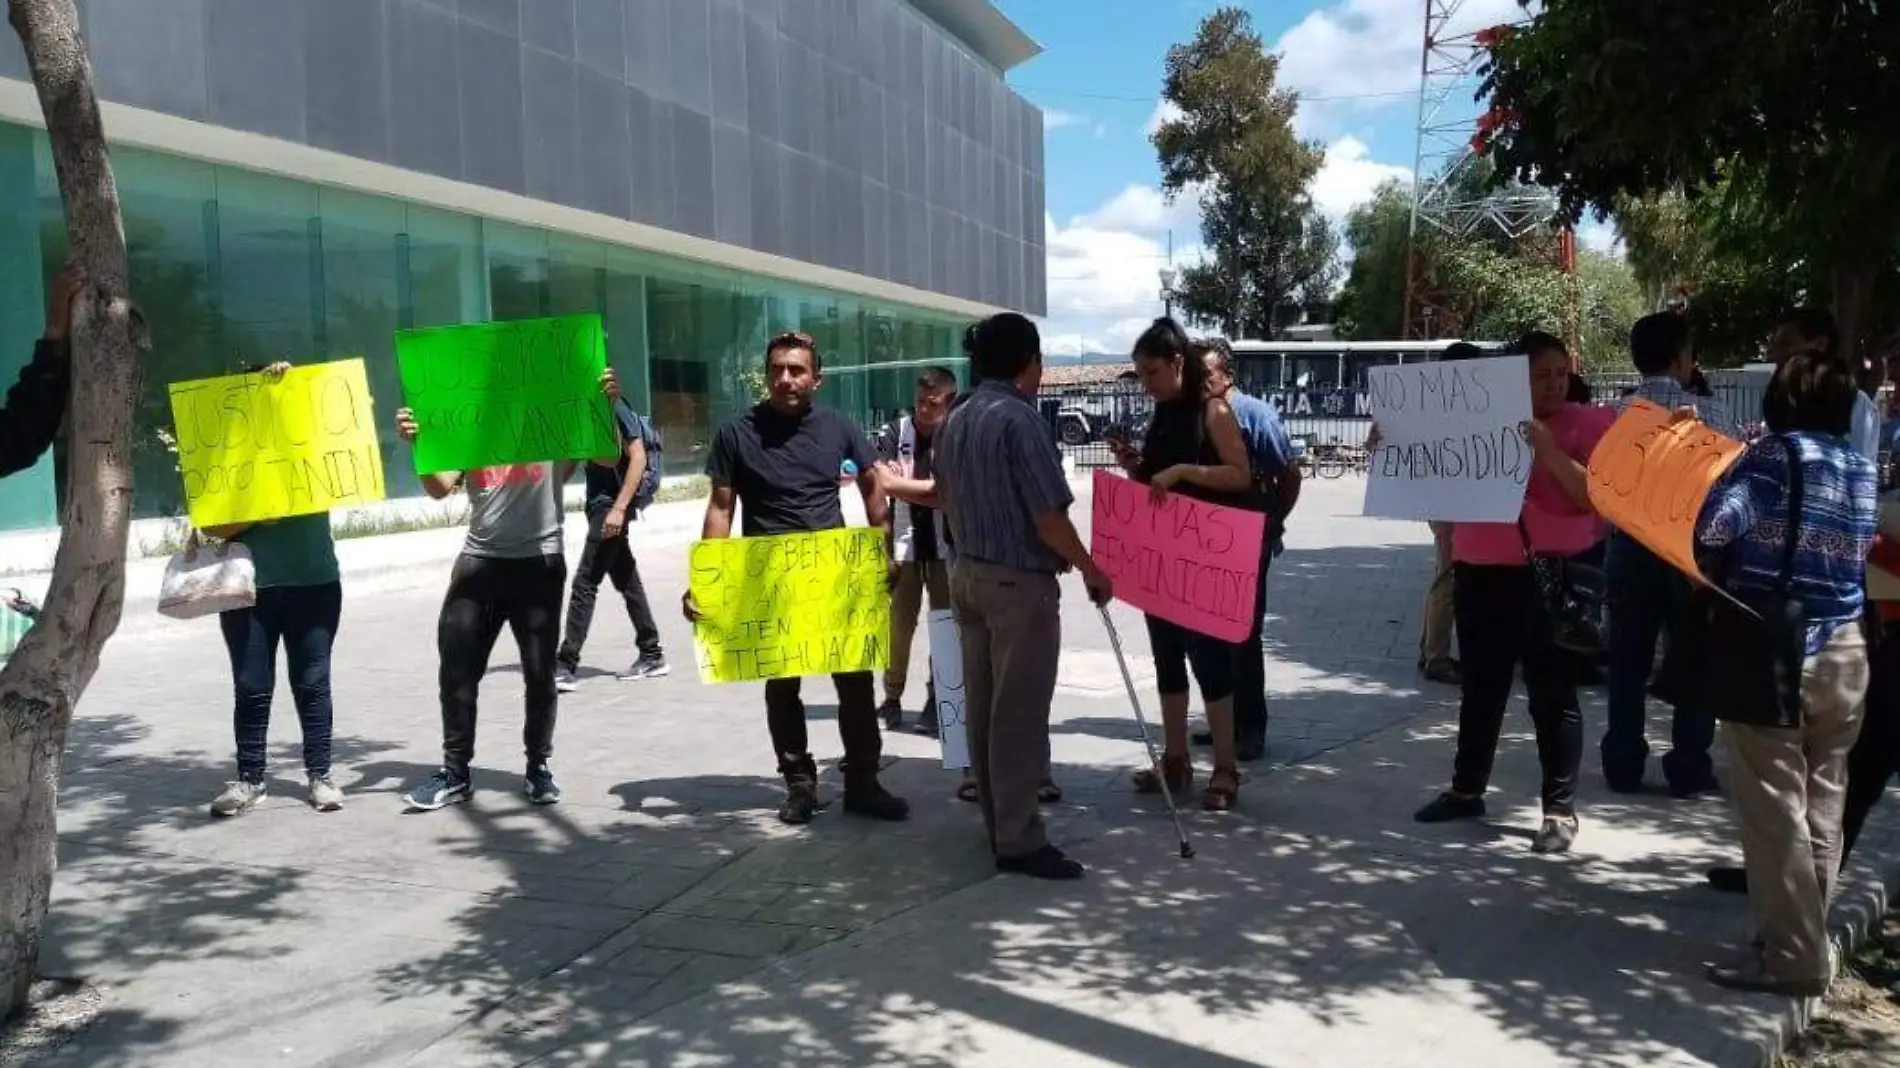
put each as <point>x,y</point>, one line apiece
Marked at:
<point>42,682</point>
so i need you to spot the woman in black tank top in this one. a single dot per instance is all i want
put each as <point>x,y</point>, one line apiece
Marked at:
<point>1193,447</point>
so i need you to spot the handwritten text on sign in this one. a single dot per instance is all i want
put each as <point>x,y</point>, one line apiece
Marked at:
<point>251,448</point>
<point>1186,561</point>
<point>946,677</point>
<point>503,393</point>
<point>1650,475</point>
<point>1451,447</point>
<point>791,605</point>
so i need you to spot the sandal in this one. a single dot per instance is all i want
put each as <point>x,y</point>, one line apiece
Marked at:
<point>1180,775</point>
<point>1223,789</point>
<point>1048,793</point>
<point>966,791</point>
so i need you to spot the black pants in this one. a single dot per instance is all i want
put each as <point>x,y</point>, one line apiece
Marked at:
<point>1250,667</point>
<point>1175,647</point>
<point>484,595</point>
<point>1493,608</point>
<point>857,726</point>
<point>1875,758</point>
<point>606,558</point>
<point>304,620</point>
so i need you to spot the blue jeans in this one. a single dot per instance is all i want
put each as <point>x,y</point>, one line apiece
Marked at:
<point>1647,598</point>
<point>304,619</point>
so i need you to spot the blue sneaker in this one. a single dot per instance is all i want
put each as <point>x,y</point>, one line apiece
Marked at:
<point>541,787</point>
<point>443,789</point>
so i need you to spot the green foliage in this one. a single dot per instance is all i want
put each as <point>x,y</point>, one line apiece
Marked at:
<point>1777,113</point>
<point>1233,146</point>
<point>1371,305</point>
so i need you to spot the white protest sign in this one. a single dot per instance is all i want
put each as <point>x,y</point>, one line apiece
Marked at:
<point>1451,445</point>
<point>946,675</point>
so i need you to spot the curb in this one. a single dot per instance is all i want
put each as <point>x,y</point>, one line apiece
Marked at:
<point>1853,918</point>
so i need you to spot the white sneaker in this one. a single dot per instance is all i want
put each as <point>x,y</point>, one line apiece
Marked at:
<point>238,798</point>
<point>324,795</point>
<point>564,681</point>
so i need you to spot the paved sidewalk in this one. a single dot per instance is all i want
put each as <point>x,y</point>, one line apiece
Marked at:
<point>660,916</point>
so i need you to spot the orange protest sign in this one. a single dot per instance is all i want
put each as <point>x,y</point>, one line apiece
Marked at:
<point>1650,474</point>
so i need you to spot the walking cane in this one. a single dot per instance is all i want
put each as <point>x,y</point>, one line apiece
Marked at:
<point>1114,639</point>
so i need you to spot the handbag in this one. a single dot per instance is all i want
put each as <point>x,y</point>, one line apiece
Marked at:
<point>1567,601</point>
<point>203,580</point>
<point>1754,646</point>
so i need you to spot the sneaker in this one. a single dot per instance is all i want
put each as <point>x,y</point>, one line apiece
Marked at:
<point>442,789</point>
<point>324,795</point>
<point>565,680</point>
<point>926,721</point>
<point>873,800</point>
<point>1727,879</point>
<point>238,798</point>
<point>647,667</point>
<point>892,713</point>
<point>541,787</point>
<point>1556,835</point>
<point>801,802</point>
<point>1448,806</point>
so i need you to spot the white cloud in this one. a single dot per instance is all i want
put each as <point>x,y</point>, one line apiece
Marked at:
<point>1599,237</point>
<point>1363,55</point>
<point>1101,130</point>
<point>1349,177</point>
<point>1104,283</point>
<point>1164,111</point>
<point>1104,266</point>
<point>1056,118</point>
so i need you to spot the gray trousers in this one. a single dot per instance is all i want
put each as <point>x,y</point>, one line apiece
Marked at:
<point>1010,623</point>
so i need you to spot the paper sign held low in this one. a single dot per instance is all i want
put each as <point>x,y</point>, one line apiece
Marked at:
<point>791,605</point>
<point>1186,561</point>
<point>946,677</point>
<point>1650,475</point>
<point>252,448</point>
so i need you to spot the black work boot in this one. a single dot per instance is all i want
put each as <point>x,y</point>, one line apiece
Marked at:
<point>865,796</point>
<point>801,791</point>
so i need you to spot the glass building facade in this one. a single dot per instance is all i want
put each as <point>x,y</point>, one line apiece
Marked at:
<point>861,137</point>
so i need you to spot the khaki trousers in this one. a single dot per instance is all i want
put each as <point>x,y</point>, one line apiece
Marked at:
<point>1789,788</point>
<point>916,581</point>
<point>1434,637</point>
<point>1010,622</point>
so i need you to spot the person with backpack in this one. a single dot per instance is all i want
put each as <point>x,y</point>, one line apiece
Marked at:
<point>616,494</point>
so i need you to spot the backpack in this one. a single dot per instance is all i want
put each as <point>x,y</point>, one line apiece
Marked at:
<point>649,478</point>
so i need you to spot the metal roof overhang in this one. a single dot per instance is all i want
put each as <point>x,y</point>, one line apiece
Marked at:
<point>983,29</point>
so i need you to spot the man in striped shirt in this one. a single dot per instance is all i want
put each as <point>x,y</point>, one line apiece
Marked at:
<point>1648,598</point>
<point>1000,482</point>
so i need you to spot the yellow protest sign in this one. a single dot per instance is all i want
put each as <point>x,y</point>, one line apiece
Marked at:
<point>251,448</point>
<point>1650,475</point>
<point>791,605</point>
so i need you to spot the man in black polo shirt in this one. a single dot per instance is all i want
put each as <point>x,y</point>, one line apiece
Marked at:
<point>782,460</point>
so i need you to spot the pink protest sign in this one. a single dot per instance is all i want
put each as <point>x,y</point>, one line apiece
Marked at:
<point>1187,561</point>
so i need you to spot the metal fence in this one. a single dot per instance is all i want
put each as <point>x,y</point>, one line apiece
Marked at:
<point>1324,422</point>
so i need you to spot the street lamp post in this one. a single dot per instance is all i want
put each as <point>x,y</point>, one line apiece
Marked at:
<point>1168,276</point>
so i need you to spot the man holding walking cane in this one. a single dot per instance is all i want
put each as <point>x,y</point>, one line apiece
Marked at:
<point>1000,482</point>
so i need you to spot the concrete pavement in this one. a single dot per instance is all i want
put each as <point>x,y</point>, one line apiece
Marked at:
<point>661,916</point>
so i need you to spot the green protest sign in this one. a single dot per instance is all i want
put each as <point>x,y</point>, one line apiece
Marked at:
<point>489,394</point>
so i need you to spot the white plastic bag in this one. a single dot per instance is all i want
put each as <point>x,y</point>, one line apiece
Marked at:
<point>203,580</point>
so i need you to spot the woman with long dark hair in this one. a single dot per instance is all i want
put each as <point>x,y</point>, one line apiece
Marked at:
<point>1193,447</point>
<point>1500,620</point>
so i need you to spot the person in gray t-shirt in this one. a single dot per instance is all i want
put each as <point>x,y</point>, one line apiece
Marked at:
<point>511,572</point>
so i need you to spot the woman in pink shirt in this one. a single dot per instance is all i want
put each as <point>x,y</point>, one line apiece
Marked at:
<point>1495,602</point>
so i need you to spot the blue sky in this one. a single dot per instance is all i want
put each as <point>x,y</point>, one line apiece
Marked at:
<point>1355,63</point>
